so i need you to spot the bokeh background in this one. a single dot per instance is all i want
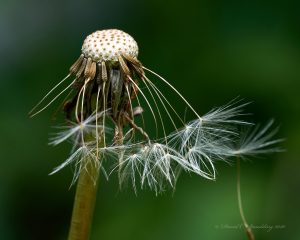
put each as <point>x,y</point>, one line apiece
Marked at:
<point>213,51</point>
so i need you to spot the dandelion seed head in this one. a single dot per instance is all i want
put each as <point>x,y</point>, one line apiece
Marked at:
<point>106,45</point>
<point>108,94</point>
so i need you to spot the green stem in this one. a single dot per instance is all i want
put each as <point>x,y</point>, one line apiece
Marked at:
<point>84,203</point>
<point>248,229</point>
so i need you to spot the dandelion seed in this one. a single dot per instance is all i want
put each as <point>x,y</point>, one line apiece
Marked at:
<point>80,158</point>
<point>75,131</point>
<point>256,141</point>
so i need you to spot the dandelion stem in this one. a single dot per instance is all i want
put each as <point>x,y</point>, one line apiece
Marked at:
<point>84,203</point>
<point>248,229</point>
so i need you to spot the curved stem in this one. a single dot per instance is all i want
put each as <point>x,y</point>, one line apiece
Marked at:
<point>248,229</point>
<point>84,203</point>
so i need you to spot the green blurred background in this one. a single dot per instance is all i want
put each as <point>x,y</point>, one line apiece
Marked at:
<point>213,51</point>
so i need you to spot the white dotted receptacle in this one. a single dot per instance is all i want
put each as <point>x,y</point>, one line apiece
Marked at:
<point>106,45</point>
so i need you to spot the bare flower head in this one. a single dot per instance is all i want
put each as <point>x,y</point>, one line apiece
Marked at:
<point>104,109</point>
<point>107,45</point>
